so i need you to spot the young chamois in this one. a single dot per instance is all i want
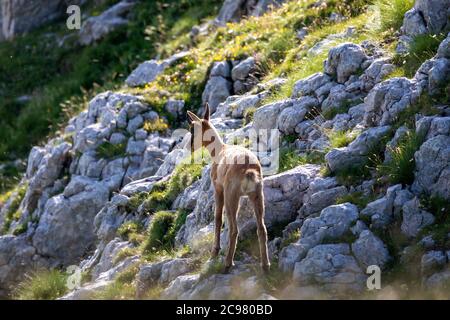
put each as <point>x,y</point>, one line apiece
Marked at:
<point>235,172</point>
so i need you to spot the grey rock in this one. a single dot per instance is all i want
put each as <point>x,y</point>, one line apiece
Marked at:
<point>433,167</point>
<point>432,261</point>
<point>370,250</point>
<point>179,288</point>
<point>332,267</point>
<point>414,218</point>
<point>18,17</point>
<point>65,230</point>
<point>17,257</point>
<point>291,116</point>
<point>387,99</point>
<point>95,28</point>
<point>357,151</point>
<point>148,71</point>
<point>345,60</point>
<point>243,69</point>
<point>217,89</point>
<point>175,107</point>
<point>333,223</point>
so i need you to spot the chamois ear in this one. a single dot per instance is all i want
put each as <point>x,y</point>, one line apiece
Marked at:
<point>193,117</point>
<point>207,113</point>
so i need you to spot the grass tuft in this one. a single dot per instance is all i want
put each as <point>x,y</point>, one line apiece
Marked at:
<point>43,285</point>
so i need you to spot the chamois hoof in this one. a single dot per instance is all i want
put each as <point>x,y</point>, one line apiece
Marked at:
<point>265,268</point>
<point>227,269</point>
<point>215,252</point>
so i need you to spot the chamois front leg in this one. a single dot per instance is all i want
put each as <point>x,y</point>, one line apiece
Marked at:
<point>218,194</point>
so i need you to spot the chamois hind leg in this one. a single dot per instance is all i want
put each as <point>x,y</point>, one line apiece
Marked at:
<point>218,194</point>
<point>257,199</point>
<point>231,207</point>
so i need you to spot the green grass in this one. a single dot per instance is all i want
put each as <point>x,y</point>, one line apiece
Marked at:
<point>392,12</point>
<point>163,229</point>
<point>339,139</point>
<point>42,285</point>
<point>164,193</point>
<point>107,150</point>
<point>289,159</point>
<point>131,231</point>
<point>13,213</point>
<point>61,79</point>
<point>330,113</point>
<point>293,237</point>
<point>422,48</point>
<point>357,198</point>
<point>400,169</point>
<point>440,229</point>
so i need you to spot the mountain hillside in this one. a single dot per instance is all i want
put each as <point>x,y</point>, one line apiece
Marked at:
<point>100,198</point>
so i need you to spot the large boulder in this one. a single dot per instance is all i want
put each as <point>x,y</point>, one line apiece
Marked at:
<point>95,28</point>
<point>370,250</point>
<point>332,267</point>
<point>65,231</point>
<point>415,218</point>
<point>345,60</point>
<point>21,16</point>
<point>333,223</point>
<point>427,16</point>
<point>149,70</point>
<point>387,99</point>
<point>217,90</point>
<point>432,174</point>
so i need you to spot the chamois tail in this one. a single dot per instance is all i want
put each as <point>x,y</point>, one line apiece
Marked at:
<point>250,181</point>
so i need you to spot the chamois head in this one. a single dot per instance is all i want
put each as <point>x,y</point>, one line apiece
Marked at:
<point>201,135</point>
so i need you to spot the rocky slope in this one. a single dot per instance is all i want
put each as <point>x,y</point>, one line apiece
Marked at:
<point>330,216</point>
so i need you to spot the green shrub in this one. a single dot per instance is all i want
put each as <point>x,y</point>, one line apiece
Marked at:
<point>392,12</point>
<point>163,229</point>
<point>43,285</point>
<point>107,150</point>
<point>400,169</point>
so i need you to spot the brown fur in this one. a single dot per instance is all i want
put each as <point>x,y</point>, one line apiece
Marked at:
<point>235,172</point>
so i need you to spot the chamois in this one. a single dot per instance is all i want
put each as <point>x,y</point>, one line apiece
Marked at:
<point>235,172</point>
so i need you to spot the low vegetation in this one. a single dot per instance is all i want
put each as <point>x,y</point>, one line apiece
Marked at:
<point>13,213</point>
<point>163,229</point>
<point>400,169</point>
<point>392,12</point>
<point>43,285</point>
